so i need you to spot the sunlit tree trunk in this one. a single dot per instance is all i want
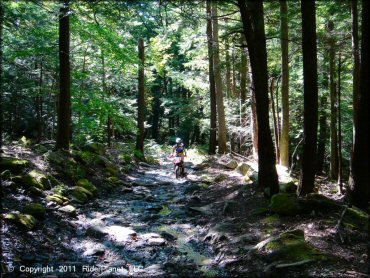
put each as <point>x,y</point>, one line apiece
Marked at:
<point>228,66</point>
<point>64,111</point>
<point>322,136</point>
<point>254,122</point>
<point>39,104</point>
<point>274,117</point>
<point>212,86</point>
<point>218,82</point>
<point>333,108</point>
<point>284,41</point>
<point>243,92</point>
<point>340,174</point>
<point>309,49</point>
<point>253,26</point>
<point>359,180</point>
<point>141,99</point>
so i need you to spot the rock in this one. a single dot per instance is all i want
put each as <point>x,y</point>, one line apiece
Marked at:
<point>34,191</point>
<point>288,187</point>
<point>56,198</point>
<point>87,185</point>
<point>206,210</point>
<point>258,211</point>
<point>356,219</point>
<point>41,178</point>
<point>70,210</point>
<point>36,210</point>
<point>14,165</point>
<point>24,220</point>
<point>285,204</point>
<point>57,157</point>
<point>5,175</point>
<point>111,168</point>
<point>253,175</point>
<point>28,181</point>
<point>220,178</point>
<point>318,202</point>
<point>168,236</point>
<point>156,241</point>
<point>97,231</point>
<point>201,166</point>
<point>80,194</point>
<point>25,142</point>
<point>243,168</point>
<point>95,147</point>
<point>289,247</point>
<point>40,149</point>
<point>192,188</point>
<point>232,164</point>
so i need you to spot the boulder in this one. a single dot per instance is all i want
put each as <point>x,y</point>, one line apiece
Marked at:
<point>290,246</point>
<point>14,165</point>
<point>41,178</point>
<point>111,168</point>
<point>28,181</point>
<point>285,204</point>
<point>69,210</point>
<point>80,194</point>
<point>220,178</point>
<point>23,220</point>
<point>36,210</point>
<point>243,168</point>
<point>5,175</point>
<point>287,187</point>
<point>57,157</point>
<point>96,147</point>
<point>201,166</point>
<point>34,191</point>
<point>318,202</point>
<point>25,142</point>
<point>356,219</point>
<point>85,183</point>
<point>231,207</point>
<point>253,175</point>
<point>232,164</point>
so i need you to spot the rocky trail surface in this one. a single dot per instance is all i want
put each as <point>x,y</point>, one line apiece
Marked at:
<point>145,223</point>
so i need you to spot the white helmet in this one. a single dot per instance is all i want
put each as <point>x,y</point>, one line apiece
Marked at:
<point>178,140</point>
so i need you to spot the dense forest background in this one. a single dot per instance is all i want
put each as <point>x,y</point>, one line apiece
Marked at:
<point>279,82</point>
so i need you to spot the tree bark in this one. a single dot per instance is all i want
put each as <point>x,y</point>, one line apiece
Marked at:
<point>64,111</point>
<point>253,26</point>
<point>359,178</point>
<point>40,105</point>
<point>322,136</point>
<point>309,50</point>
<point>333,108</point>
<point>228,66</point>
<point>276,132</point>
<point>340,174</point>
<point>212,86</point>
<point>218,81</point>
<point>254,121</point>
<point>284,41</point>
<point>1,75</point>
<point>141,99</point>
<point>356,61</point>
<point>243,92</point>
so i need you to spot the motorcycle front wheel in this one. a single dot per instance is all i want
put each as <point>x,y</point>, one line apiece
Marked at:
<point>177,172</point>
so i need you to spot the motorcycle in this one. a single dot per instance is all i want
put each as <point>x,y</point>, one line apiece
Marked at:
<point>178,166</point>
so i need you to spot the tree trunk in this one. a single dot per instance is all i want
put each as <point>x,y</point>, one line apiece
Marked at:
<point>309,50</point>
<point>234,91</point>
<point>359,179</point>
<point>212,86</point>
<point>284,41</point>
<point>254,121</point>
<point>356,60</point>
<point>39,106</point>
<point>64,111</point>
<point>243,92</point>
<point>228,66</point>
<point>340,174</point>
<point>218,81</point>
<point>276,132</point>
<point>333,108</point>
<point>253,16</point>
<point>322,136</point>
<point>141,99</point>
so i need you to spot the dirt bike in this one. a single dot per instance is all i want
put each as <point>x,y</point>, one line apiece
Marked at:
<point>178,166</point>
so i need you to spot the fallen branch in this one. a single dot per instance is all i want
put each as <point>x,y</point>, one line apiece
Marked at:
<point>279,266</point>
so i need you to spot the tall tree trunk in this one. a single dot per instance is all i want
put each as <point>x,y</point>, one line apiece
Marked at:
<point>340,174</point>
<point>141,99</point>
<point>359,179</point>
<point>276,132</point>
<point>218,81</point>
<point>284,41</point>
<point>64,111</point>
<point>333,108</point>
<point>322,136</point>
<point>212,86</point>
<point>254,121</point>
<point>256,39</point>
<point>309,50</point>
<point>243,92</point>
<point>228,67</point>
<point>234,91</point>
<point>40,105</point>
<point>356,66</point>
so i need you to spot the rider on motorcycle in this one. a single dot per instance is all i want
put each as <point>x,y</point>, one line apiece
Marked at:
<point>179,150</point>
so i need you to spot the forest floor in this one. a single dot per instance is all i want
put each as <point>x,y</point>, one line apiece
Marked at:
<point>215,222</point>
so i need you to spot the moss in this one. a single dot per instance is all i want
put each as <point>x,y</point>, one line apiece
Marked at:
<point>40,178</point>
<point>23,220</point>
<point>356,219</point>
<point>87,185</point>
<point>34,191</point>
<point>57,157</point>
<point>36,210</point>
<point>25,142</point>
<point>258,211</point>
<point>85,157</point>
<point>284,204</point>
<point>110,168</point>
<point>59,199</point>
<point>15,166</point>
<point>288,187</point>
<point>80,194</point>
<point>27,181</point>
<point>5,175</point>
<point>271,219</point>
<point>152,160</point>
<point>40,149</point>
<point>165,210</point>
<point>95,147</point>
<point>318,202</point>
<point>220,177</point>
<point>243,168</point>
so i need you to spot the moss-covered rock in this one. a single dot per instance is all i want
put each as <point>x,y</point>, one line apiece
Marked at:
<point>287,187</point>
<point>36,210</point>
<point>80,194</point>
<point>40,149</point>
<point>243,168</point>
<point>356,219</point>
<point>41,178</point>
<point>34,191</point>
<point>14,165</point>
<point>290,247</point>
<point>318,202</point>
<point>285,204</point>
<point>69,210</point>
<point>26,221</point>
<point>5,175</point>
<point>95,147</point>
<point>253,175</point>
<point>25,142</point>
<point>258,211</point>
<point>85,183</point>
<point>27,181</point>
<point>56,158</point>
<point>56,198</point>
<point>232,164</point>
<point>110,167</point>
<point>220,178</point>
